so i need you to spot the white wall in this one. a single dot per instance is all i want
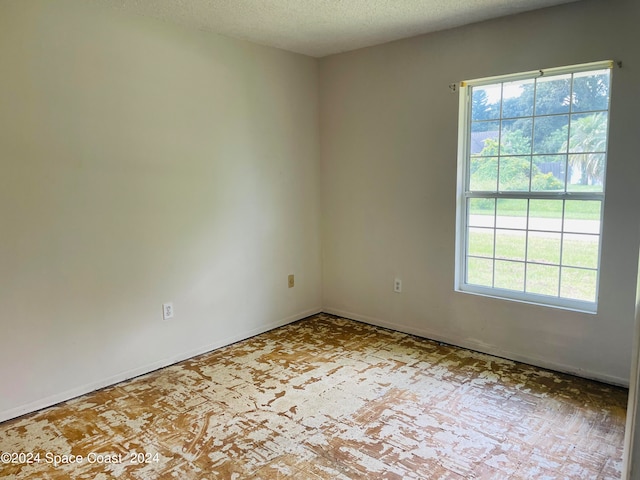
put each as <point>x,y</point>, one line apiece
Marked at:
<point>142,163</point>
<point>388,154</point>
<point>631,460</point>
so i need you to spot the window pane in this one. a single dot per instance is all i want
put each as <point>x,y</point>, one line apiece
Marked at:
<point>480,242</point>
<point>545,215</point>
<point>578,284</point>
<point>514,174</point>
<point>485,102</point>
<point>512,213</point>
<point>591,91</point>
<point>481,212</point>
<point>511,244</point>
<point>582,216</point>
<point>515,137</point>
<point>543,279</point>
<point>509,275</point>
<point>550,134</point>
<point>588,133</point>
<point>548,172</point>
<point>483,174</point>
<point>480,271</point>
<point>543,247</point>
<point>580,250</point>
<point>552,94</point>
<point>484,138</point>
<point>517,98</point>
<point>586,172</point>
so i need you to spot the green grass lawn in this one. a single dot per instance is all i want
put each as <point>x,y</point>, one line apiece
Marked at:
<point>543,277</point>
<point>574,209</point>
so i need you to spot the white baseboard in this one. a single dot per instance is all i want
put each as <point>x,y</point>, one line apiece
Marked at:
<point>106,382</point>
<point>482,347</point>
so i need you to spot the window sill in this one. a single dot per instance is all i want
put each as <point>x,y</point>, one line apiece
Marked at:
<point>576,306</point>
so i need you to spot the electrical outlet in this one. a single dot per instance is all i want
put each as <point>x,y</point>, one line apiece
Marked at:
<point>397,285</point>
<point>292,281</point>
<point>167,311</point>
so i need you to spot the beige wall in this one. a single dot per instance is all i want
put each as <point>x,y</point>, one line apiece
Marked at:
<point>143,163</point>
<point>388,143</point>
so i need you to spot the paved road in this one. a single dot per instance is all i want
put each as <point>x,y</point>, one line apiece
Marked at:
<point>536,223</point>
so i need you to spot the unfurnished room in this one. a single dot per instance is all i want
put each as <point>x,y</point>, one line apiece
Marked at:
<point>341,239</point>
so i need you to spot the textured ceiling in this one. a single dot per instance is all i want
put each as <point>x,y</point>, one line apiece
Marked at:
<point>323,27</point>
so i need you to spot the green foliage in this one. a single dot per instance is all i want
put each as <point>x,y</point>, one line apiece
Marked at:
<point>545,181</point>
<point>589,135</point>
<point>550,134</point>
<point>481,109</point>
<point>514,175</point>
<point>514,171</point>
<point>513,143</point>
<point>554,98</point>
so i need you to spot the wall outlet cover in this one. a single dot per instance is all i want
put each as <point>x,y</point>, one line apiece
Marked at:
<point>167,311</point>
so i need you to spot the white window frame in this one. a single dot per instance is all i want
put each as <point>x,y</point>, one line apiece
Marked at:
<point>464,158</point>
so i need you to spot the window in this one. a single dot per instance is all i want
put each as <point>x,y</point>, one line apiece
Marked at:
<point>531,182</point>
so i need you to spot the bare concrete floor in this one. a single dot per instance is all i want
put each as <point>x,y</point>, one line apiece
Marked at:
<point>329,398</point>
